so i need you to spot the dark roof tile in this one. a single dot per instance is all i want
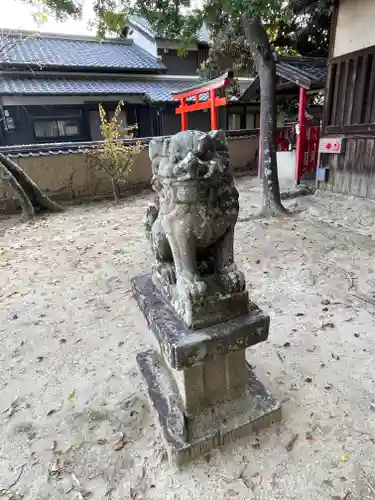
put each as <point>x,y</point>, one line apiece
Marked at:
<point>302,71</point>
<point>202,35</point>
<point>46,52</point>
<point>154,90</point>
<point>314,68</point>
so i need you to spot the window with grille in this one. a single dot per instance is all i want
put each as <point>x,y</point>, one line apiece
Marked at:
<point>61,128</point>
<point>351,93</point>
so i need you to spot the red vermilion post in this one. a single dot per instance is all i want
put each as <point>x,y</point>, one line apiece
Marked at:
<point>300,150</point>
<point>214,124</point>
<point>183,114</point>
<point>310,143</point>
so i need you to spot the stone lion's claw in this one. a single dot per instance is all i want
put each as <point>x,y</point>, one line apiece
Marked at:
<point>200,287</point>
<point>231,279</point>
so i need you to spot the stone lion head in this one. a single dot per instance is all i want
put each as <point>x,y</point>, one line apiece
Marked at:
<point>188,154</point>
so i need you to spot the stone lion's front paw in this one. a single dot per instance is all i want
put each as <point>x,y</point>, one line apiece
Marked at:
<point>191,287</point>
<point>188,289</point>
<point>195,287</point>
<point>166,272</point>
<point>231,279</point>
<point>198,287</point>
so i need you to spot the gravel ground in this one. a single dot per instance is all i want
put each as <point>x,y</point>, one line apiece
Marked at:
<point>74,416</point>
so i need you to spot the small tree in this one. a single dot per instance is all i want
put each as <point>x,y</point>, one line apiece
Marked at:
<point>114,156</point>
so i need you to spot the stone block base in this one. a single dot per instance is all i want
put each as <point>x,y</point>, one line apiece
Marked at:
<point>187,436</point>
<point>183,347</point>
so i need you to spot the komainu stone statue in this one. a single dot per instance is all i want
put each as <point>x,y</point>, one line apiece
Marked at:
<point>191,227</point>
<point>195,303</point>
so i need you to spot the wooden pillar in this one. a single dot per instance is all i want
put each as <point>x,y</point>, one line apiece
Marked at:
<point>214,125</point>
<point>301,138</point>
<point>183,114</point>
<point>151,116</point>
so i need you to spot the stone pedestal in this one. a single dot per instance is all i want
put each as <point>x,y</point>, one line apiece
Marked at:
<point>198,381</point>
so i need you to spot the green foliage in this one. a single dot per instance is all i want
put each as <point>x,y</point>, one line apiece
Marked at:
<point>182,52</point>
<point>310,25</point>
<point>61,9</point>
<point>108,17</point>
<point>213,67</point>
<point>115,157</point>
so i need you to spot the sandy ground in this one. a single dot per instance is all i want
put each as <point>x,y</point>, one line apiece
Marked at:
<point>74,415</point>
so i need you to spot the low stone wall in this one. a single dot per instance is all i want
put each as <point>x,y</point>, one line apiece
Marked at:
<point>66,175</point>
<point>69,177</point>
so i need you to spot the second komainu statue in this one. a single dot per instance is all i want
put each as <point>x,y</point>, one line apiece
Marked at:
<point>191,228</point>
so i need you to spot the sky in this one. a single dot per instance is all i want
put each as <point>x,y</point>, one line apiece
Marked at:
<point>20,16</point>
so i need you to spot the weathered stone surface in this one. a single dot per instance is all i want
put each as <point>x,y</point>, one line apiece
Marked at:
<point>191,227</point>
<point>214,381</point>
<point>186,437</point>
<point>211,308</point>
<point>196,304</point>
<point>183,347</point>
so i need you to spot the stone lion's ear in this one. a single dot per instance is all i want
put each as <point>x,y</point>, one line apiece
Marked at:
<point>166,145</point>
<point>218,137</point>
<point>155,148</point>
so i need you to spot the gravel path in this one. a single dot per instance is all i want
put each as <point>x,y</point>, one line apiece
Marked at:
<point>73,412</point>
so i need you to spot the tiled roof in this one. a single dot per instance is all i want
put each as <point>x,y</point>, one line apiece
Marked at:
<point>43,52</point>
<point>154,90</point>
<point>313,68</point>
<point>202,36</point>
<point>305,72</point>
<point>143,23</point>
<point>68,148</point>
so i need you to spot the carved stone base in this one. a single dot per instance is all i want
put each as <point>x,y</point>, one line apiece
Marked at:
<point>198,380</point>
<point>183,347</point>
<point>187,437</point>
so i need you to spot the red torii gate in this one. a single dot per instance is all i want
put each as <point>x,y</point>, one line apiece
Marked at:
<point>307,138</point>
<point>212,103</point>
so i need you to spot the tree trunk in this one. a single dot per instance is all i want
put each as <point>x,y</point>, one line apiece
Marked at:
<point>116,191</point>
<point>29,194</point>
<point>265,63</point>
<point>7,178</point>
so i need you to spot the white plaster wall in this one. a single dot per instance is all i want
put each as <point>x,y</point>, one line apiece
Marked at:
<point>355,28</point>
<point>144,42</point>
